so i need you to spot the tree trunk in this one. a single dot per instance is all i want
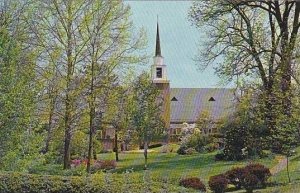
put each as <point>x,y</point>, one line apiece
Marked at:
<point>48,139</point>
<point>92,119</point>
<point>287,168</point>
<point>94,148</point>
<point>67,141</point>
<point>146,155</point>
<point>67,151</point>
<point>88,166</point>
<point>270,116</point>
<point>68,100</point>
<point>116,146</point>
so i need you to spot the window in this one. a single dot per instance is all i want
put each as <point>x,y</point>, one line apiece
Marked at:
<point>211,99</point>
<point>174,99</point>
<point>159,72</point>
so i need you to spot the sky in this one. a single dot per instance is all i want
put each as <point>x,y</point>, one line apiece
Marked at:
<point>179,41</point>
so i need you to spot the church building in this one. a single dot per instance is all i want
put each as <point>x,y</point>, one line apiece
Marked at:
<point>183,106</point>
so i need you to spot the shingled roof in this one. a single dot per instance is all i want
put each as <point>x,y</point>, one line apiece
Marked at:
<point>190,102</point>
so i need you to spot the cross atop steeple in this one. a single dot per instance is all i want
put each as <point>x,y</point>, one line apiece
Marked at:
<point>157,49</point>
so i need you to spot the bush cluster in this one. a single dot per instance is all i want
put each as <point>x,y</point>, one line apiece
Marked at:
<point>218,183</point>
<point>249,177</point>
<point>100,183</point>
<point>193,182</point>
<point>220,156</point>
<point>235,176</point>
<point>261,172</point>
<point>198,142</point>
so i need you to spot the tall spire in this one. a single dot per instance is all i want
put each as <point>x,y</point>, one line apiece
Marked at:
<point>157,50</point>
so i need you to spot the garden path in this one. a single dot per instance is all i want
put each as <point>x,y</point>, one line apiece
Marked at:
<point>282,162</point>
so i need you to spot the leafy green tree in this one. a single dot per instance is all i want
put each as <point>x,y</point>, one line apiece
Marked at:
<point>286,138</point>
<point>255,40</point>
<point>18,89</point>
<point>245,131</point>
<point>120,114</point>
<point>57,29</point>
<point>204,122</point>
<point>110,47</point>
<point>146,112</point>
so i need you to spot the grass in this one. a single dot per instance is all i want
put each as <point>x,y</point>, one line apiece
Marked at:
<point>171,167</point>
<point>176,166</point>
<point>281,179</point>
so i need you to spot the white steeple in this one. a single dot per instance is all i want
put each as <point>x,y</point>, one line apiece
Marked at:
<point>158,69</point>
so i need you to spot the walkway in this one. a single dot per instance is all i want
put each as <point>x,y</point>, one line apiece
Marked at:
<point>282,162</point>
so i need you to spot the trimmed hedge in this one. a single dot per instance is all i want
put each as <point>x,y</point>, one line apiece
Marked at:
<point>98,183</point>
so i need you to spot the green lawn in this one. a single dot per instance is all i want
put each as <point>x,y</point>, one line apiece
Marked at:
<point>174,166</point>
<point>169,168</point>
<point>282,180</point>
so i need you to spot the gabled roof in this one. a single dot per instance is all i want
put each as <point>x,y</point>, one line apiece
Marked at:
<point>192,101</point>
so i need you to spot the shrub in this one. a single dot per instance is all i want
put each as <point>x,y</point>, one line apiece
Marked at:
<point>181,150</point>
<point>250,177</point>
<point>193,182</point>
<point>79,144</point>
<point>218,183</point>
<point>100,183</point>
<point>250,182</point>
<point>211,147</point>
<point>201,142</point>
<point>103,165</point>
<point>220,156</point>
<point>265,153</point>
<point>75,163</point>
<point>192,138</point>
<point>260,171</point>
<point>235,176</point>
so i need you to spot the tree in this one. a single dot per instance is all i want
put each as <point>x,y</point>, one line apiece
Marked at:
<point>110,46</point>
<point>204,122</point>
<point>120,119</point>
<point>86,41</point>
<point>244,131</point>
<point>286,138</point>
<point>255,39</point>
<point>57,28</point>
<point>146,112</point>
<point>18,89</point>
